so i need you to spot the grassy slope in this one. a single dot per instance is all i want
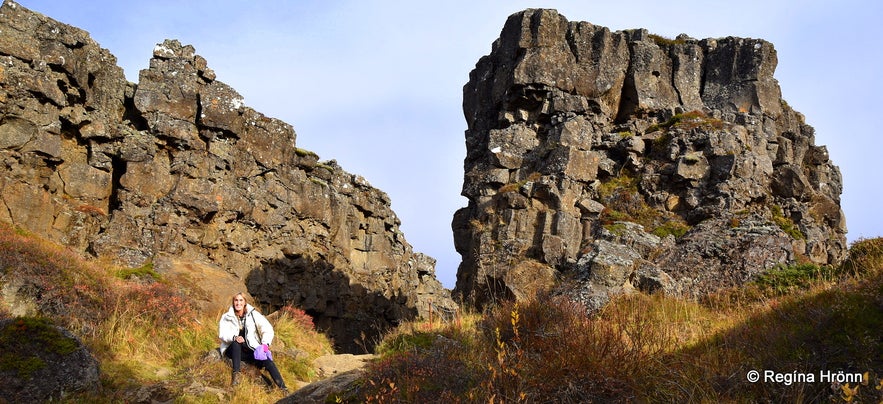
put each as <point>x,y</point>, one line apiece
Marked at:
<point>642,348</point>
<point>144,331</point>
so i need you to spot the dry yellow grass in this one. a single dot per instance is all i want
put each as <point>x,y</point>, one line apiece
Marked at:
<point>655,348</point>
<point>639,347</point>
<point>144,333</point>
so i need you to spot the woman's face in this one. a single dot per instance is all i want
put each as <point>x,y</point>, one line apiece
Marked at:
<point>238,302</point>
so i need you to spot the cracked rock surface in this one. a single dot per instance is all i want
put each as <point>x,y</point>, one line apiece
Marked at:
<point>621,161</point>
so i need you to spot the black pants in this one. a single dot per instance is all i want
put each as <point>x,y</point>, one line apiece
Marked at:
<point>241,352</point>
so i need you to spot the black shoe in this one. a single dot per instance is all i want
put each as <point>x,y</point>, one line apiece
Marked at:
<point>235,379</point>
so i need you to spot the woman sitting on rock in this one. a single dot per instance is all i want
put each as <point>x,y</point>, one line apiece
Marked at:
<point>243,330</point>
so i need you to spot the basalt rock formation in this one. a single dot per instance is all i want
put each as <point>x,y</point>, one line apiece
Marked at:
<point>621,161</point>
<point>177,169</point>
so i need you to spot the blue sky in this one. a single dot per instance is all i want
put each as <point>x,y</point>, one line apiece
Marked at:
<point>377,85</point>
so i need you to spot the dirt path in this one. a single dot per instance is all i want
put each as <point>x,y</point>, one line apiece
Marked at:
<point>336,372</point>
<point>330,365</point>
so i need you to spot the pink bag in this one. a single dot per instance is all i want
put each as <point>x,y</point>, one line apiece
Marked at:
<point>263,353</point>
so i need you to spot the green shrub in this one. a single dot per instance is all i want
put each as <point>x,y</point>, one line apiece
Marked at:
<point>687,121</point>
<point>616,228</point>
<point>145,271</point>
<point>676,228</point>
<point>406,342</point>
<point>785,279</point>
<point>624,203</point>
<point>785,223</point>
<point>661,142</point>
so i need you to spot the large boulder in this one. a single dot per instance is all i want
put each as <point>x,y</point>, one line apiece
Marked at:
<point>176,170</point>
<point>574,131</point>
<point>42,362</point>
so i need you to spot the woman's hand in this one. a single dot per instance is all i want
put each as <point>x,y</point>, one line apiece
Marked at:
<point>238,339</point>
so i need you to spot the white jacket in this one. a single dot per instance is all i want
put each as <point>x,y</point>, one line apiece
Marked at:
<point>258,330</point>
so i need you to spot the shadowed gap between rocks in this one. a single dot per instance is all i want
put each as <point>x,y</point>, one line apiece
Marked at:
<point>354,318</point>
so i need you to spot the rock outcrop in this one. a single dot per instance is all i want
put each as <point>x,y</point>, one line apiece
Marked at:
<point>42,362</point>
<point>340,376</point>
<point>176,168</point>
<point>616,161</point>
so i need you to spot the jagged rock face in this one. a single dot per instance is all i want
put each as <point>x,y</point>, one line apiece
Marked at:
<point>622,160</point>
<point>178,168</point>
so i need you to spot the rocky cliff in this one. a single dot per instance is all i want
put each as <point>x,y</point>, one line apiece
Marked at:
<point>620,161</point>
<point>177,169</point>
